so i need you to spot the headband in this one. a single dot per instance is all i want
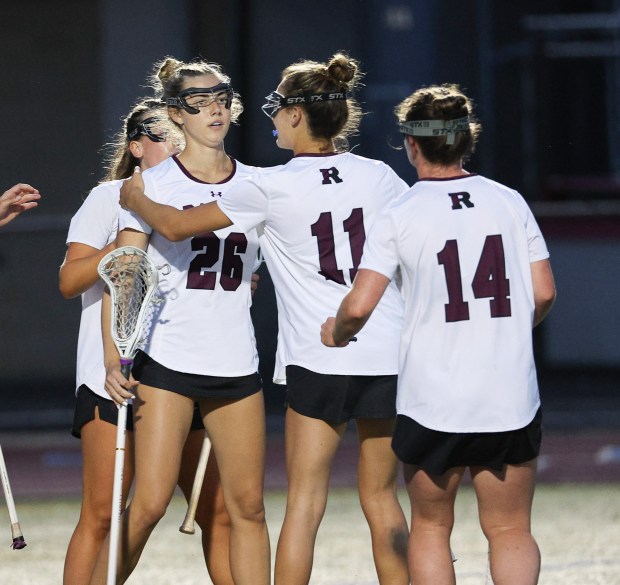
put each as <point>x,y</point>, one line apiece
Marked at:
<point>449,128</point>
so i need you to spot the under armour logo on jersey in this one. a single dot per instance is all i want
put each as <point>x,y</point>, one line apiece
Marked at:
<point>460,199</point>
<point>214,194</point>
<point>329,174</point>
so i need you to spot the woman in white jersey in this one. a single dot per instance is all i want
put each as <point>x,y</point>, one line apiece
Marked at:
<point>147,138</point>
<point>201,344</point>
<point>476,279</point>
<point>16,200</point>
<point>313,214</point>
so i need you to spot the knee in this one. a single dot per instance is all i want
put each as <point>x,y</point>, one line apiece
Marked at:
<point>212,516</point>
<point>249,507</point>
<point>496,532</point>
<point>377,496</point>
<point>147,514</point>
<point>96,519</point>
<point>381,506</point>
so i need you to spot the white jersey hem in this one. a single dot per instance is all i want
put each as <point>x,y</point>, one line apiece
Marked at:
<point>518,424</point>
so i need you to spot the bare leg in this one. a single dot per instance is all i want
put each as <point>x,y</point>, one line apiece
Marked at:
<point>378,472</point>
<point>211,514</point>
<point>161,424</point>
<point>432,518</point>
<point>237,431</point>
<point>310,448</point>
<point>98,447</point>
<point>505,508</point>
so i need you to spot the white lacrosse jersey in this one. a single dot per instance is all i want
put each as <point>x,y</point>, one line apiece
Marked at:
<point>464,248</point>
<point>313,214</point>
<point>94,224</point>
<point>202,323</point>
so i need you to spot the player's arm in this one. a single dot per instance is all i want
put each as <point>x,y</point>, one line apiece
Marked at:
<point>16,200</point>
<point>544,289</point>
<point>355,309</point>
<point>172,223</point>
<point>116,385</point>
<point>79,269</point>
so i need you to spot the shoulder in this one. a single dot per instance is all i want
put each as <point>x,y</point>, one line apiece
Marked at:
<point>104,195</point>
<point>364,161</point>
<point>163,168</point>
<point>106,189</point>
<point>242,170</point>
<point>496,186</point>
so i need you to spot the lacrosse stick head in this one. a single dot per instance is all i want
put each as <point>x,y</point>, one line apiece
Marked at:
<point>131,277</point>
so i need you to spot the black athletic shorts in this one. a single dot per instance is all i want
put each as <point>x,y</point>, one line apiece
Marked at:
<point>87,400</point>
<point>85,404</point>
<point>152,373</point>
<point>436,451</point>
<point>336,399</point>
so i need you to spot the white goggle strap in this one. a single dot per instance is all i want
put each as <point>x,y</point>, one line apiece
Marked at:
<point>449,128</point>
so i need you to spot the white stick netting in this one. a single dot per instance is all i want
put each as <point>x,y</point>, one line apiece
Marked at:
<point>130,276</point>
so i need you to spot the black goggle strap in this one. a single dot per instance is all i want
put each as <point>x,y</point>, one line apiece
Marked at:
<point>181,103</point>
<point>143,129</point>
<point>449,128</point>
<point>276,101</point>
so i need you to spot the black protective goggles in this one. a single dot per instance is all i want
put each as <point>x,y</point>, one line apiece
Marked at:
<point>144,129</point>
<point>276,101</point>
<point>194,98</point>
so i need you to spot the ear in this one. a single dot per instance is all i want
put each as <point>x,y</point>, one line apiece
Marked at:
<point>175,115</point>
<point>295,116</point>
<point>135,147</point>
<point>412,145</point>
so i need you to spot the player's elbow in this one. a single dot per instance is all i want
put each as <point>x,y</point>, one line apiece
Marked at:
<point>68,292</point>
<point>67,289</point>
<point>172,233</point>
<point>356,312</point>
<point>543,303</point>
<point>545,296</point>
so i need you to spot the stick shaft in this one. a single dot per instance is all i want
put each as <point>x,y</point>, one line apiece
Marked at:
<point>8,495</point>
<point>188,523</point>
<point>16,530</point>
<point>117,493</point>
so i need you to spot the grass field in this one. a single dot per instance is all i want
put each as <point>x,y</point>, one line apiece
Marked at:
<point>577,527</point>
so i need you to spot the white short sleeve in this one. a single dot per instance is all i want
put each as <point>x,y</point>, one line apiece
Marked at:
<point>95,223</point>
<point>245,204</point>
<point>380,249</point>
<point>536,243</point>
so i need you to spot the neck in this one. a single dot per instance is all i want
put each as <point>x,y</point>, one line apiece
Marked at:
<point>311,146</point>
<point>205,163</point>
<point>427,170</point>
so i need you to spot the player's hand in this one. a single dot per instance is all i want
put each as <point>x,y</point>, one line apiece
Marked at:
<point>117,386</point>
<point>327,334</point>
<point>131,190</point>
<point>254,282</point>
<point>16,200</point>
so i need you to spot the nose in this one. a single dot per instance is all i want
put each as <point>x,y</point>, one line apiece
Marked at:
<point>215,107</point>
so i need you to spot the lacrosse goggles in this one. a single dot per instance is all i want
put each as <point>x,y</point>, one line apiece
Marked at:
<point>194,98</point>
<point>148,128</point>
<point>276,101</point>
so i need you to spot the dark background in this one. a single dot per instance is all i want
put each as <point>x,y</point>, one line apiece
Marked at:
<point>545,78</point>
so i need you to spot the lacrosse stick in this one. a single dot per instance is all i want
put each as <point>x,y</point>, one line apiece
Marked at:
<point>18,537</point>
<point>188,523</point>
<point>131,277</point>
